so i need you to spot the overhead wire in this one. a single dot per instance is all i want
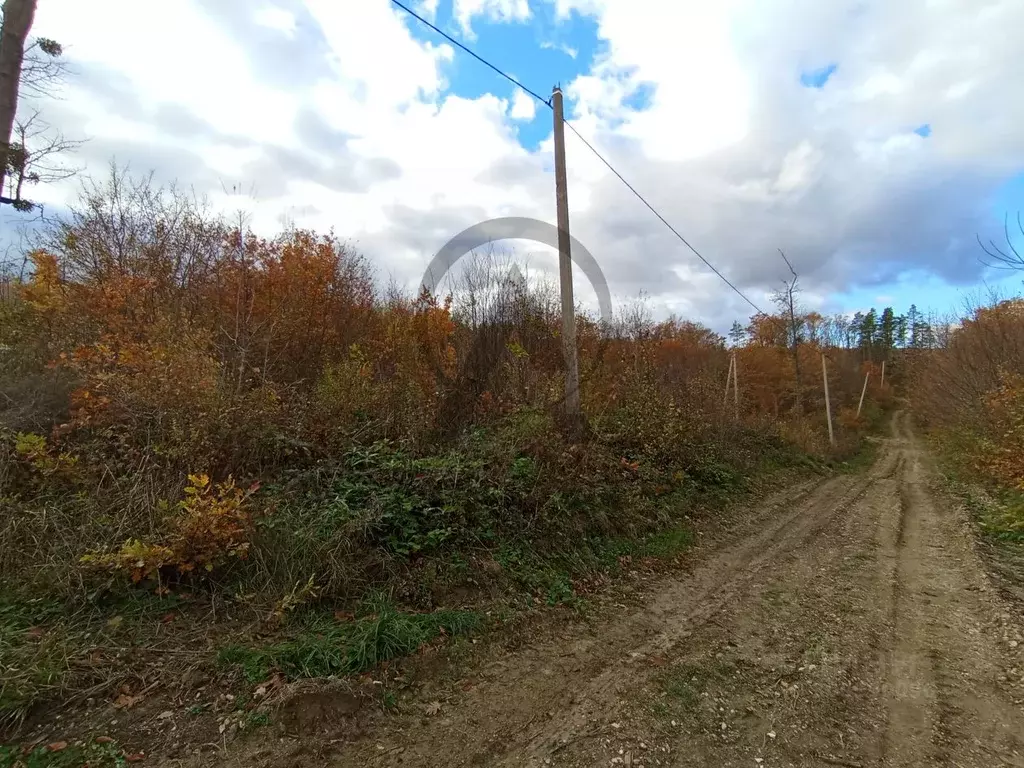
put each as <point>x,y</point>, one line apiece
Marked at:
<point>589,146</point>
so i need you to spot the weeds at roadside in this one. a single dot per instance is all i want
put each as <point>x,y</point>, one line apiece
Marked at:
<point>683,685</point>
<point>95,754</point>
<point>326,647</point>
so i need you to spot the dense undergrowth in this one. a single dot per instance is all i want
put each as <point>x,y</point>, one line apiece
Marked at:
<point>211,436</point>
<point>970,397</point>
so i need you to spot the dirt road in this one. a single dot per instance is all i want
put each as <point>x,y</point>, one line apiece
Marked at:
<point>848,622</point>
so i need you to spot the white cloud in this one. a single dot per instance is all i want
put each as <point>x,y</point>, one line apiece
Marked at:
<point>276,18</point>
<point>568,50</point>
<point>429,8</point>
<point>363,134</point>
<point>523,106</point>
<point>798,167</point>
<point>465,11</point>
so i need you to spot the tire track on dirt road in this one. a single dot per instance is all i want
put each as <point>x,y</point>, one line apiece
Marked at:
<point>541,698</point>
<point>685,605</point>
<point>843,622</point>
<point>945,702</point>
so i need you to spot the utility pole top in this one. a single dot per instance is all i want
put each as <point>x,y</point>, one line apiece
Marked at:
<point>557,88</point>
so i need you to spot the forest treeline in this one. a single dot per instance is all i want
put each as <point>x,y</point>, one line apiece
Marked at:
<point>157,355</point>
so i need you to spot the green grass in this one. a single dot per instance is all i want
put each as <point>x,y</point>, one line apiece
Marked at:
<point>256,720</point>
<point>41,638</point>
<point>33,659</point>
<point>999,511</point>
<point>324,647</point>
<point>93,755</point>
<point>683,685</point>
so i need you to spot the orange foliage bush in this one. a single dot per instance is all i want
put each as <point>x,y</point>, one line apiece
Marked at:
<point>209,527</point>
<point>1003,457</point>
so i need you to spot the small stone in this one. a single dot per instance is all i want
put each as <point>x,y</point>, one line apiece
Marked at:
<point>771,734</point>
<point>165,715</point>
<point>1014,643</point>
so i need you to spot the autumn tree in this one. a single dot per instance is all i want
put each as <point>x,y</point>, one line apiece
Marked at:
<point>17,21</point>
<point>29,147</point>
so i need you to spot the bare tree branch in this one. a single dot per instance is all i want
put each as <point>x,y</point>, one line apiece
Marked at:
<point>43,70</point>
<point>1010,258</point>
<point>786,300</point>
<point>34,158</point>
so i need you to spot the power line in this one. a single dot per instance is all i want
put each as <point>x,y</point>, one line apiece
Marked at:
<point>482,60</point>
<point>674,231</point>
<point>589,146</point>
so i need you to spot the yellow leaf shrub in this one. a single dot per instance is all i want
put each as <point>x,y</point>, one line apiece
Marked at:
<point>210,527</point>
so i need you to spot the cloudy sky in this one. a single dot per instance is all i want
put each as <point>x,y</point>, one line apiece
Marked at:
<point>869,139</point>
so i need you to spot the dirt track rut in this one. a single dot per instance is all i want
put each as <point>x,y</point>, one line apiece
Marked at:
<point>847,622</point>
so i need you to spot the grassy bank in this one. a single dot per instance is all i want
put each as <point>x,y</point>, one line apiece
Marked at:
<point>366,560</point>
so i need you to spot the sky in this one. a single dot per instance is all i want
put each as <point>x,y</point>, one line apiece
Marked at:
<point>872,141</point>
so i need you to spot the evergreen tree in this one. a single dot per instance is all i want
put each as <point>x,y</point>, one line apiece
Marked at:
<point>738,334</point>
<point>887,331</point>
<point>853,330</point>
<point>868,327</point>
<point>900,333</point>
<point>913,326</point>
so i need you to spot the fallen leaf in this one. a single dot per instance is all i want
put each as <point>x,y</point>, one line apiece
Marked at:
<point>104,740</point>
<point>433,707</point>
<point>35,633</point>
<point>56,746</point>
<point>137,757</point>
<point>167,618</point>
<point>124,701</point>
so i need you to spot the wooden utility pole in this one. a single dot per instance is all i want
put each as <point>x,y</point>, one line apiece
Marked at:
<point>828,405</point>
<point>728,379</point>
<point>863,390</point>
<point>18,16</point>
<point>735,387</point>
<point>573,413</point>
<point>882,382</point>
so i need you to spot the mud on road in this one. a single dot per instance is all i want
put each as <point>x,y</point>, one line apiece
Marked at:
<point>846,622</point>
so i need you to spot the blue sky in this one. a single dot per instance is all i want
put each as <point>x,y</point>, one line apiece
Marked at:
<point>870,140</point>
<point>540,53</point>
<point>547,48</point>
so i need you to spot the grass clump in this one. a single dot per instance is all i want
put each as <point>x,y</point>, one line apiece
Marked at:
<point>323,648</point>
<point>96,754</point>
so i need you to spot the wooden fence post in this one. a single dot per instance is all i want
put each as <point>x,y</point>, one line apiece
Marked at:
<point>828,405</point>
<point>863,390</point>
<point>728,379</point>
<point>735,386</point>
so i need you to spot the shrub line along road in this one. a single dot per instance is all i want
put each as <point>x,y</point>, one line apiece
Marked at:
<point>843,622</point>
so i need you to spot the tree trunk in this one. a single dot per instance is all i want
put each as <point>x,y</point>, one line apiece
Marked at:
<point>18,15</point>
